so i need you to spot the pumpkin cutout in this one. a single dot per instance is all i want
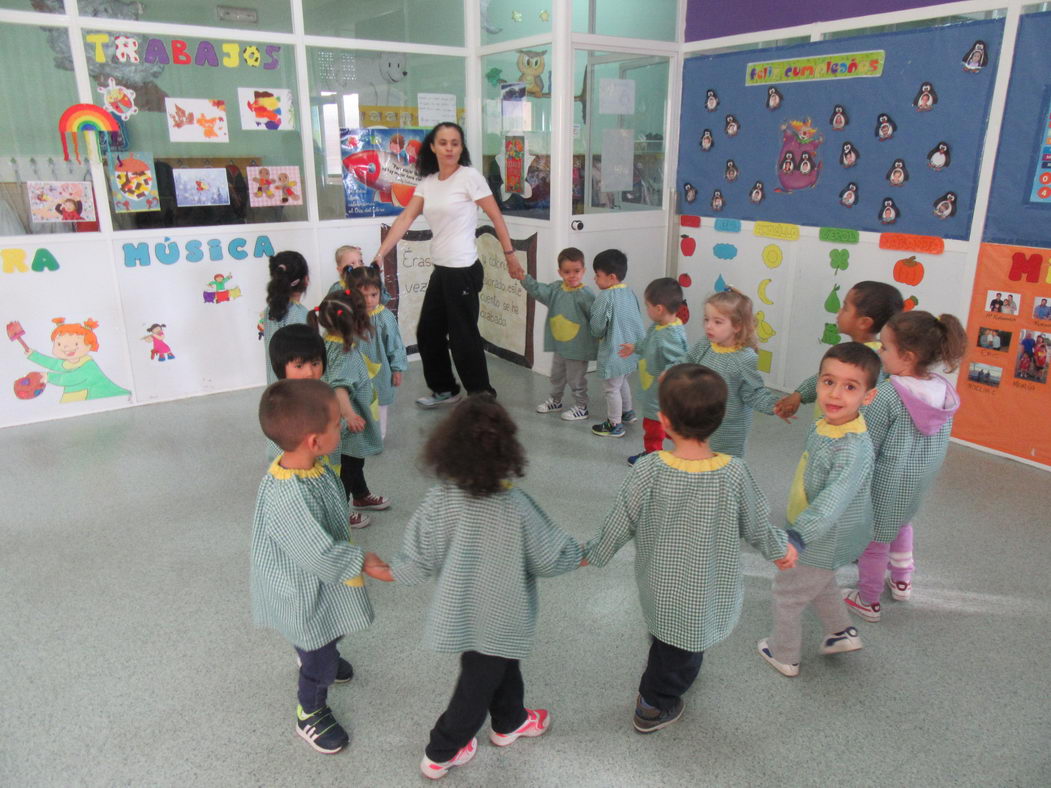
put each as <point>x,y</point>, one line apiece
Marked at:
<point>908,271</point>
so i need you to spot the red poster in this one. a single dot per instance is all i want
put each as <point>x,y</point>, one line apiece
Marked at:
<point>514,157</point>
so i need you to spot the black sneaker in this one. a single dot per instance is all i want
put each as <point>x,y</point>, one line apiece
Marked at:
<point>650,720</point>
<point>634,458</point>
<point>320,730</point>
<point>344,672</point>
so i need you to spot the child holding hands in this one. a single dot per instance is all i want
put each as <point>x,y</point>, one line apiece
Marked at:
<point>348,258</point>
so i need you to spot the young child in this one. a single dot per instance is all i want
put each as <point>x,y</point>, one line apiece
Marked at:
<point>486,542</point>
<point>909,424</point>
<point>728,347</point>
<point>384,351</point>
<point>829,509</point>
<point>866,309</point>
<point>615,321</point>
<point>297,352</point>
<point>663,346</point>
<point>345,320</point>
<point>566,333</point>
<point>289,277</point>
<point>687,510</point>
<point>306,575</point>
<point>348,258</point>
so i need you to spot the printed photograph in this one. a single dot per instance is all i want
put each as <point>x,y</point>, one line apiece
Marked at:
<point>1002,301</point>
<point>994,339</point>
<point>1031,363</point>
<point>1042,307</point>
<point>986,374</point>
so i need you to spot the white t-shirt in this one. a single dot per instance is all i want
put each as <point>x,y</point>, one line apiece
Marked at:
<point>449,208</point>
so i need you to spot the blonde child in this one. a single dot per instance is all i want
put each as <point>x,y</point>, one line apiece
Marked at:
<point>384,351</point>
<point>289,278</point>
<point>728,347</point>
<point>306,575</point>
<point>345,321</point>
<point>348,258</point>
<point>909,424</point>
<point>486,542</point>
<point>615,321</point>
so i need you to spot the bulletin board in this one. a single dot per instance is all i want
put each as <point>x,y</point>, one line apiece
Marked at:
<point>744,112</point>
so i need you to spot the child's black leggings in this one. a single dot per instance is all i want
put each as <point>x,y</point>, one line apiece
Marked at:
<point>352,474</point>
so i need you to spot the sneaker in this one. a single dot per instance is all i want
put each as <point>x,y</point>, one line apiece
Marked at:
<point>536,724</point>
<point>434,771</point>
<point>852,599</point>
<point>781,667</point>
<point>628,417</point>
<point>344,672</point>
<point>437,398</point>
<point>648,720</point>
<point>320,730</point>
<point>549,406</point>
<point>634,458</point>
<point>576,413</point>
<point>607,430</point>
<point>370,501</point>
<point>841,642</point>
<point>900,590</point>
<point>358,520</point>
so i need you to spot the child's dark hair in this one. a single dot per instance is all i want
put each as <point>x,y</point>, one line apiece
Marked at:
<point>427,163</point>
<point>859,355</point>
<point>344,315</point>
<point>366,276</point>
<point>665,292</point>
<point>289,410</point>
<point>612,261</point>
<point>693,399</point>
<point>475,447</point>
<point>295,342</point>
<point>877,301</point>
<point>570,253</point>
<point>288,276</point>
<point>930,339</point>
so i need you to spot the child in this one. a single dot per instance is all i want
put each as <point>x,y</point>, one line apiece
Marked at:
<point>615,321</point>
<point>865,310</point>
<point>566,333</point>
<point>384,351</point>
<point>829,509</point>
<point>664,346</point>
<point>289,277</point>
<point>486,542</point>
<point>306,575</point>
<point>345,320</point>
<point>687,509</point>
<point>296,352</point>
<point>909,424</point>
<point>728,347</point>
<point>348,258</point>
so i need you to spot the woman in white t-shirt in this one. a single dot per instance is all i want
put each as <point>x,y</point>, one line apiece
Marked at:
<point>449,196</point>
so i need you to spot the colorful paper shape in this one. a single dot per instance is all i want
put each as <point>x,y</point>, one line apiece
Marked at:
<point>83,117</point>
<point>279,185</point>
<point>118,99</point>
<point>60,201</point>
<point>201,186</point>
<point>196,120</point>
<point>133,182</point>
<point>266,109</point>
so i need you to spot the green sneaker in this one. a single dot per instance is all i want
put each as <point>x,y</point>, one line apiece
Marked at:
<point>320,730</point>
<point>608,430</point>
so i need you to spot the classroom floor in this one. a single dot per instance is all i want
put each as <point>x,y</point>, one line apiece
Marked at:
<point>130,657</point>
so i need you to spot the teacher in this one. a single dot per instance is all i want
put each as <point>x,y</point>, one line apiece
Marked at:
<point>447,197</point>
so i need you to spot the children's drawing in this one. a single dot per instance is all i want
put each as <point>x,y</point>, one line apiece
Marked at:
<point>132,182</point>
<point>531,66</point>
<point>266,109</point>
<point>60,201</point>
<point>278,185</point>
<point>220,291</point>
<point>118,99</point>
<point>201,186</point>
<point>798,165</point>
<point>160,349</point>
<point>196,120</point>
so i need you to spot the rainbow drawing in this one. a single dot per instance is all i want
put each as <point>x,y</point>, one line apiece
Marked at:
<point>84,117</point>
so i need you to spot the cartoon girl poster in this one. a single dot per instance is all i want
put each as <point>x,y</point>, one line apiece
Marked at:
<point>60,201</point>
<point>72,367</point>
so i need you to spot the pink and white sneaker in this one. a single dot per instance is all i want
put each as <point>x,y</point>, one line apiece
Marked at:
<point>435,771</point>
<point>536,724</point>
<point>900,590</point>
<point>856,605</point>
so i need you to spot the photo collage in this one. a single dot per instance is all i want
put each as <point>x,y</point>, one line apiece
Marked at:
<point>1015,339</point>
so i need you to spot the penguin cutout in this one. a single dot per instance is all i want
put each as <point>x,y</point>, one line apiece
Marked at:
<point>711,100</point>
<point>926,98</point>
<point>976,58</point>
<point>897,174</point>
<point>938,158</point>
<point>717,200</point>
<point>838,120</point>
<point>888,212</point>
<point>732,126</point>
<point>788,163</point>
<point>849,155</point>
<point>885,127</point>
<point>806,163</point>
<point>757,195</point>
<point>849,195</point>
<point>945,206</point>
<point>707,141</point>
<point>731,171</point>
<point>773,98</point>
<point>689,191</point>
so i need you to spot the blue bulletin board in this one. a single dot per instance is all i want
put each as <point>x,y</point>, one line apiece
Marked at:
<point>773,121</point>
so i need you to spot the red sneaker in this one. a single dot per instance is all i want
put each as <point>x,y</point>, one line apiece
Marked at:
<point>536,724</point>
<point>370,501</point>
<point>434,771</point>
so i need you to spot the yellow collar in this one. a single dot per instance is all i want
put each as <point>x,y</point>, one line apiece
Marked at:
<point>724,349</point>
<point>287,473</point>
<point>376,310</point>
<point>874,345</point>
<point>337,340</point>
<point>507,484</point>
<point>76,364</point>
<point>841,430</point>
<point>659,327</point>
<point>569,289</point>
<point>695,466</point>
<point>616,287</point>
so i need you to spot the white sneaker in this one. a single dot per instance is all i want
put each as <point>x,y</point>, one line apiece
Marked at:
<point>841,642</point>
<point>549,405</point>
<point>780,667</point>
<point>358,520</point>
<point>900,590</point>
<point>576,413</point>
<point>436,398</point>
<point>434,771</point>
<point>856,605</point>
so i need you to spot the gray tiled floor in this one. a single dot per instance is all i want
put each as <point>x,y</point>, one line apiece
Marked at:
<point>129,657</point>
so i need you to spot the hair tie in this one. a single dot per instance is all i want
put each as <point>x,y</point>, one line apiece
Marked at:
<point>293,283</point>
<point>281,267</point>
<point>339,312</point>
<point>317,308</point>
<point>346,292</point>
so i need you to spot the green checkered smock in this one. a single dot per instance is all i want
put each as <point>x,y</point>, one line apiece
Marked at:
<point>306,575</point>
<point>662,347</point>
<point>688,518</point>
<point>383,353</point>
<point>348,370</point>
<point>486,553</point>
<point>830,501</point>
<point>297,313</point>
<point>616,320</point>
<point>566,331</point>
<point>737,366</point>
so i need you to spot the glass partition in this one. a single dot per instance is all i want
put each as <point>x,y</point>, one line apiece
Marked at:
<point>506,20</point>
<point>411,21</point>
<point>655,19</point>
<point>274,15</point>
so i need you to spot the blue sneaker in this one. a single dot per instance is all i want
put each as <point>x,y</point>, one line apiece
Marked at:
<point>320,730</point>
<point>608,430</point>
<point>634,458</point>
<point>628,417</point>
<point>437,398</point>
